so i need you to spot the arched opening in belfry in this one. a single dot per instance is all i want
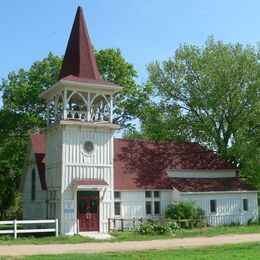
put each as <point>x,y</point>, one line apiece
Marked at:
<point>99,108</point>
<point>77,106</point>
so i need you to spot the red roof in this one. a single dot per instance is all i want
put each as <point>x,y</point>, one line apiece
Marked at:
<point>210,184</point>
<point>38,146</point>
<point>79,62</point>
<point>143,164</point>
<point>94,182</point>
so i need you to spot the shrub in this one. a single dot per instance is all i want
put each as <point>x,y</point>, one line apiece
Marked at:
<point>145,228</point>
<point>152,227</point>
<point>185,210</point>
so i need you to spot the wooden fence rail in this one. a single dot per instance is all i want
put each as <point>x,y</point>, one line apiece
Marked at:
<point>113,222</point>
<point>16,231</point>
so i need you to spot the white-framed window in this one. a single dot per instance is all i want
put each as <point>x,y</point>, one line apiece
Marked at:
<point>152,202</point>
<point>117,205</point>
<point>52,204</point>
<point>148,194</point>
<point>117,195</point>
<point>245,204</point>
<point>148,208</point>
<point>157,207</point>
<point>213,206</point>
<point>156,194</point>
<point>33,185</point>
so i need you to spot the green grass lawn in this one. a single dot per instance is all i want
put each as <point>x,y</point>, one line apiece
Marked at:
<point>237,251</point>
<point>130,236</point>
<point>208,232</point>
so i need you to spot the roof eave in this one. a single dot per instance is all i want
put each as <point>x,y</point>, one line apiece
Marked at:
<point>79,86</point>
<point>217,192</point>
<point>92,86</point>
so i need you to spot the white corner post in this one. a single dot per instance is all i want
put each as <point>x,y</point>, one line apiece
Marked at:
<point>15,229</point>
<point>65,103</point>
<point>56,227</point>
<point>111,110</point>
<point>88,108</point>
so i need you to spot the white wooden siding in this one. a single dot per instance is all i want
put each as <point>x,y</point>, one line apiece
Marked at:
<point>229,206</point>
<point>133,203</point>
<point>201,174</point>
<point>35,209</point>
<point>78,165</point>
<point>53,171</point>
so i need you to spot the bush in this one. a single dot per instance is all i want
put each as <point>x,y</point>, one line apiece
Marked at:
<point>152,227</point>
<point>185,210</point>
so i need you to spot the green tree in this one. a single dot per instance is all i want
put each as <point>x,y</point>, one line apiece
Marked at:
<point>211,95</point>
<point>129,102</point>
<point>23,110</point>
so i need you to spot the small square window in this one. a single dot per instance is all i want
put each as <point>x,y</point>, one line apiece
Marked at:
<point>148,207</point>
<point>157,207</point>
<point>156,194</point>
<point>117,195</point>
<point>117,208</point>
<point>213,206</point>
<point>245,204</point>
<point>148,194</point>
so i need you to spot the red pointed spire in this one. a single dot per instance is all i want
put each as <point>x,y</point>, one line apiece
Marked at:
<point>79,60</point>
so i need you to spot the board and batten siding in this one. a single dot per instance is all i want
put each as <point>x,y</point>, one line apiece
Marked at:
<point>53,171</point>
<point>133,203</point>
<point>229,206</point>
<point>33,209</point>
<point>78,165</point>
<point>201,174</point>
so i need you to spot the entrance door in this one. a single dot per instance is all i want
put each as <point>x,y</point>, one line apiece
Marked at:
<point>88,211</point>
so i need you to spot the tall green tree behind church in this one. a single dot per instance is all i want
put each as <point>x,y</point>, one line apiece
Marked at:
<point>209,95</point>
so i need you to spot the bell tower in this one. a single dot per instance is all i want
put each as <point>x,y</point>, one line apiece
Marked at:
<point>79,139</point>
<point>80,94</point>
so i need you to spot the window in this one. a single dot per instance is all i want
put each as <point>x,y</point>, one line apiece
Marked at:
<point>156,194</point>
<point>148,207</point>
<point>93,206</point>
<point>117,205</point>
<point>245,204</point>
<point>148,194</point>
<point>152,204</point>
<point>157,207</point>
<point>33,185</point>
<point>82,206</point>
<point>213,206</point>
<point>54,210</point>
<point>88,147</point>
<point>117,195</point>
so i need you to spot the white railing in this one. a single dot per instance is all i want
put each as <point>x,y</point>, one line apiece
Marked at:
<point>16,231</point>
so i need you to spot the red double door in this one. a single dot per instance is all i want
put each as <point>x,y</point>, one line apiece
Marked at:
<point>88,211</point>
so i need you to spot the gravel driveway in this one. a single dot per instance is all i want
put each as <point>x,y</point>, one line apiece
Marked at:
<point>102,247</point>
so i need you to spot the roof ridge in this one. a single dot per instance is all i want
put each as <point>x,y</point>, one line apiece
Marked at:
<point>153,141</point>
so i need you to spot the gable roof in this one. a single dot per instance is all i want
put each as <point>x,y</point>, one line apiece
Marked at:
<point>210,184</point>
<point>140,165</point>
<point>38,146</point>
<point>79,63</point>
<point>143,164</point>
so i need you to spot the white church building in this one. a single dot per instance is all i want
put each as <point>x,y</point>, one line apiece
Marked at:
<point>78,172</point>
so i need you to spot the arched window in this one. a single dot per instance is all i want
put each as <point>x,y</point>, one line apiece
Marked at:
<point>33,185</point>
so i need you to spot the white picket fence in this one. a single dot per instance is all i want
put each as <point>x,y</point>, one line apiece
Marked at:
<point>16,231</point>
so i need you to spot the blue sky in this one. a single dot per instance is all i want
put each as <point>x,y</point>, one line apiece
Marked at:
<point>144,30</point>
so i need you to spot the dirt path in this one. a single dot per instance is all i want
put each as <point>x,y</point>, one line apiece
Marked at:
<point>18,250</point>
